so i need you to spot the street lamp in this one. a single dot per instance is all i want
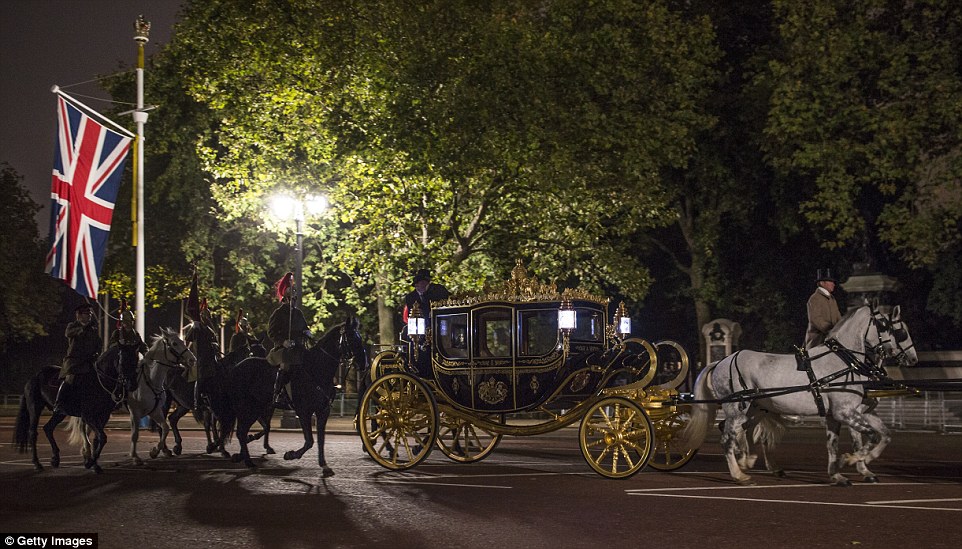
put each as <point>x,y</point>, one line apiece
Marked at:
<point>286,207</point>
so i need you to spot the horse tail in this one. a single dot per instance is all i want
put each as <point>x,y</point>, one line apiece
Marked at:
<point>769,430</point>
<point>702,413</point>
<point>75,431</point>
<point>21,434</point>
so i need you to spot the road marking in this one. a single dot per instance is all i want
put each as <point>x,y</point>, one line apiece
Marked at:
<point>912,501</point>
<point>416,481</point>
<point>762,500</point>
<point>639,491</point>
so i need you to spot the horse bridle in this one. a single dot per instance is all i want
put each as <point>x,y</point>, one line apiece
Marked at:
<point>898,333</point>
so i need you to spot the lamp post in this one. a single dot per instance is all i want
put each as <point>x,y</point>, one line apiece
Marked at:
<point>286,207</point>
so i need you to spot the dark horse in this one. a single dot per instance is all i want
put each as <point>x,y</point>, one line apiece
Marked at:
<point>250,390</point>
<point>207,413</point>
<point>92,397</point>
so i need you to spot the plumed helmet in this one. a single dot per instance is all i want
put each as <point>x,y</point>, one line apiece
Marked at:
<point>283,285</point>
<point>204,311</point>
<point>422,274</point>
<point>124,314</point>
<point>242,324</point>
<point>824,274</point>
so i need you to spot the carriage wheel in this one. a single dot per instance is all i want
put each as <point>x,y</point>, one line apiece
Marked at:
<point>400,421</point>
<point>616,437</point>
<point>464,442</point>
<point>670,452</point>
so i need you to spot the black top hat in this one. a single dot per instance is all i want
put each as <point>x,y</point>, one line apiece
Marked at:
<point>422,274</point>
<point>825,274</point>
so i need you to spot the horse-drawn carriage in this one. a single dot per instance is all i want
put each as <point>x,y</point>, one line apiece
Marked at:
<point>525,359</point>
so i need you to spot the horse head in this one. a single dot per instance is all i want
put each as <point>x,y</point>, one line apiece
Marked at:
<point>258,349</point>
<point>168,348</point>
<point>894,340</point>
<point>350,344</point>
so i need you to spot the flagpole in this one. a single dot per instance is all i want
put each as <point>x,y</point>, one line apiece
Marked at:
<point>142,28</point>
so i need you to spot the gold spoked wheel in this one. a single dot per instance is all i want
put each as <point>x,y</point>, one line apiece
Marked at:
<point>464,442</point>
<point>399,422</point>
<point>616,437</point>
<point>670,452</point>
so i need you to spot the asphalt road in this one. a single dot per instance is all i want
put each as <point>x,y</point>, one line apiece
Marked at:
<point>534,492</point>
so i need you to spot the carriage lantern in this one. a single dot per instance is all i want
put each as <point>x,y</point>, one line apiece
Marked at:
<point>417,324</point>
<point>622,321</point>
<point>567,322</point>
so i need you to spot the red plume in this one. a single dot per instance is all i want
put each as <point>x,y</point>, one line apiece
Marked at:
<point>281,286</point>
<point>240,315</point>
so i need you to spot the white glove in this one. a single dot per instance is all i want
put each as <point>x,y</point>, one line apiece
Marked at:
<point>288,343</point>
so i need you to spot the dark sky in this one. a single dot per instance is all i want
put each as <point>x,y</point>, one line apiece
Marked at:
<point>63,42</point>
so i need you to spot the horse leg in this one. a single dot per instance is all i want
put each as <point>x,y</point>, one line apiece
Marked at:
<point>100,440</point>
<point>767,433</point>
<point>243,427</point>
<point>871,426</point>
<point>134,435</point>
<point>157,414</point>
<point>305,420</point>
<point>322,417</point>
<point>265,422</point>
<point>835,462</point>
<point>34,421</point>
<point>173,420</point>
<point>732,437</point>
<point>48,430</point>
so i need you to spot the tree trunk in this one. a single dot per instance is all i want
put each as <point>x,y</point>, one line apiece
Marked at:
<point>385,313</point>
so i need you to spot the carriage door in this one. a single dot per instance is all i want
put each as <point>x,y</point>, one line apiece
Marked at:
<point>494,338</point>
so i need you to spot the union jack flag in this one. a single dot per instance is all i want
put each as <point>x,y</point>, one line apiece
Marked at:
<point>88,165</point>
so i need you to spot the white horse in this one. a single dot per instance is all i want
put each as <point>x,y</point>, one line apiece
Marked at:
<point>752,382</point>
<point>168,355</point>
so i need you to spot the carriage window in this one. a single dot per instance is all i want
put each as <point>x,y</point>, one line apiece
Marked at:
<point>590,326</point>
<point>452,335</point>
<point>494,333</point>
<point>539,332</point>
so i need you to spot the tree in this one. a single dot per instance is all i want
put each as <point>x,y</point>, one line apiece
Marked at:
<point>451,134</point>
<point>865,116</point>
<point>29,299</point>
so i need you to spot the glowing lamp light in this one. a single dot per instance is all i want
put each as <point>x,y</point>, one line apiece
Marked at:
<point>416,326</point>
<point>622,320</point>
<point>567,317</point>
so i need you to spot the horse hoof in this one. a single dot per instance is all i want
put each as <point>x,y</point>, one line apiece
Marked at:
<point>225,454</point>
<point>779,473</point>
<point>137,461</point>
<point>327,472</point>
<point>210,448</point>
<point>97,469</point>
<point>55,461</point>
<point>167,452</point>
<point>268,450</point>
<point>154,452</point>
<point>290,454</point>
<point>88,463</point>
<point>843,483</point>
<point>38,466</point>
<point>250,464</point>
<point>871,480</point>
<point>745,482</point>
<point>178,449</point>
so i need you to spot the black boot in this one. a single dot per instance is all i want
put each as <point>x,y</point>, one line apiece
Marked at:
<point>280,389</point>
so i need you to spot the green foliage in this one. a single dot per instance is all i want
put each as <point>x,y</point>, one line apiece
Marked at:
<point>28,298</point>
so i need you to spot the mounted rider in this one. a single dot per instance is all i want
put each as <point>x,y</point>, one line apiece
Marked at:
<point>288,331</point>
<point>201,339</point>
<point>126,336</point>
<point>823,313</point>
<point>83,347</point>
<point>243,336</point>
